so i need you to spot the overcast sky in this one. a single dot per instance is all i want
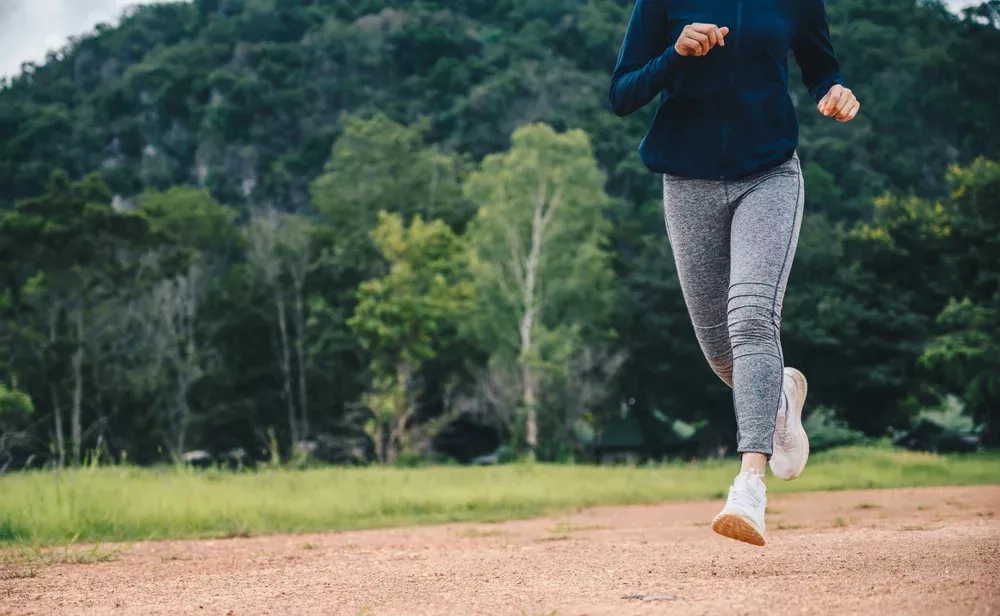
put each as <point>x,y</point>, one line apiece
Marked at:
<point>30,28</point>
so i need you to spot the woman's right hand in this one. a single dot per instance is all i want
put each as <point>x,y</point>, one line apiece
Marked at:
<point>699,39</point>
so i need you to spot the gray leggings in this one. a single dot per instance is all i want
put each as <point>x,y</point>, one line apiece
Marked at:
<point>733,243</point>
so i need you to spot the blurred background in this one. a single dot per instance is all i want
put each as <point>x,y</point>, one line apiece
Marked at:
<point>404,232</point>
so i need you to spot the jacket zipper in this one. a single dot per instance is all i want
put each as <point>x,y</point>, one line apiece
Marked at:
<point>732,82</point>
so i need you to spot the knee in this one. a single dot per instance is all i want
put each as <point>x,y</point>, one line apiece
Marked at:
<point>723,368</point>
<point>715,345</point>
<point>753,330</point>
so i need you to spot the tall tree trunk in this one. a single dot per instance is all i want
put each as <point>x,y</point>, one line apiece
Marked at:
<point>75,411</point>
<point>530,384</point>
<point>184,415</point>
<point>398,442</point>
<point>530,401</point>
<point>377,434</point>
<point>57,415</point>
<point>56,408</point>
<point>286,369</point>
<point>184,379</point>
<point>300,353</point>
<point>192,367</point>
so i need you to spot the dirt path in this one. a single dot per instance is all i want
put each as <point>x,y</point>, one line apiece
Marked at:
<point>928,551</point>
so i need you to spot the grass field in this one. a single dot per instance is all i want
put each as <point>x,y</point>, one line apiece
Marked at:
<point>127,503</point>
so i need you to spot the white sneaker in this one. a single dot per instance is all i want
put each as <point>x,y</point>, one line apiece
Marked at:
<point>791,444</point>
<point>743,516</point>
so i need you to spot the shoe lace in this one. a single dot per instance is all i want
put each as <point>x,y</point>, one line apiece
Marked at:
<point>747,497</point>
<point>780,433</point>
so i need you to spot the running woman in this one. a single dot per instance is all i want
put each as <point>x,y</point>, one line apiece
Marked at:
<point>724,137</point>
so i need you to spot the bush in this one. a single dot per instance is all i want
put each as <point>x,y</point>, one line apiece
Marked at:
<point>827,431</point>
<point>409,459</point>
<point>943,430</point>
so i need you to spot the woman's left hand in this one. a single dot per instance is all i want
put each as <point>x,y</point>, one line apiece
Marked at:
<point>839,103</point>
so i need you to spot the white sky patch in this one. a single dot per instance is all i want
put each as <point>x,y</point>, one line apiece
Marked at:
<point>31,28</point>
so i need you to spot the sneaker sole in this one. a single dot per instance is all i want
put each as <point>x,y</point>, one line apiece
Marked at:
<point>737,527</point>
<point>803,386</point>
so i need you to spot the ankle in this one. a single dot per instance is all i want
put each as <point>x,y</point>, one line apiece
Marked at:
<point>754,464</point>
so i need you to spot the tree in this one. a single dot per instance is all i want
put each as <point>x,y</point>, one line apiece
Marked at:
<point>338,110</point>
<point>967,358</point>
<point>540,261</point>
<point>189,225</point>
<point>194,237</point>
<point>379,161</point>
<point>176,303</point>
<point>379,165</point>
<point>965,355</point>
<point>14,405</point>
<point>70,242</point>
<point>896,312</point>
<point>295,245</point>
<point>280,249</point>
<point>853,325</point>
<point>405,318</point>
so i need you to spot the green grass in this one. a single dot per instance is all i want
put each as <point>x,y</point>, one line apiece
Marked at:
<point>127,503</point>
<point>22,561</point>
<point>36,555</point>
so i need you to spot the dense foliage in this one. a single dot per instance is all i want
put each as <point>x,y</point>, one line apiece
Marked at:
<point>376,228</point>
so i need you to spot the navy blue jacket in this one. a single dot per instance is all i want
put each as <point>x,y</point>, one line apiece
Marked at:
<point>726,114</point>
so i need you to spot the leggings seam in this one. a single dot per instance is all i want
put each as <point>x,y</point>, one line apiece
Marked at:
<point>798,189</point>
<point>771,321</point>
<point>764,284</point>
<point>735,356</point>
<point>739,201</point>
<point>732,297</point>
<point>732,310</point>
<point>708,326</point>
<point>712,341</point>
<point>788,248</point>
<point>736,415</point>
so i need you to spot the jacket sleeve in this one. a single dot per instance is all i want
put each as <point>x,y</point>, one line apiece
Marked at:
<point>814,51</point>
<point>647,62</point>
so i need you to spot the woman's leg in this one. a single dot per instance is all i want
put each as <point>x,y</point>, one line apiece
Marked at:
<point>698,222</point>
<point>733,244</point>
<point>700,217</point>
<point>767,213</point>
<point>765,230</point>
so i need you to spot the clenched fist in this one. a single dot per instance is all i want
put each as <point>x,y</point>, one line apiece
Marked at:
<point>839,103</point>
<point>699,39</point>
